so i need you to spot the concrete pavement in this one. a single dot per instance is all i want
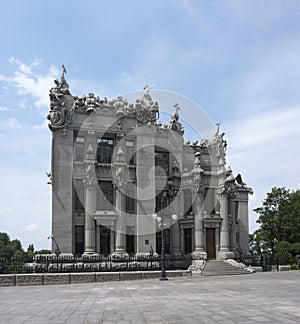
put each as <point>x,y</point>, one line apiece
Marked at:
<point>272,297</point>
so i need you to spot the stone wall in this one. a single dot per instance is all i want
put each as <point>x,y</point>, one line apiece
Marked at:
<point>71,278</point>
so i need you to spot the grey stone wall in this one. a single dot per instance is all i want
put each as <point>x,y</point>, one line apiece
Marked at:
<point>62,193</point>
<point>72,278</point>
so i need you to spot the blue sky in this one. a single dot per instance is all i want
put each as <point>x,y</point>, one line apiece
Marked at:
<point>239,60</point>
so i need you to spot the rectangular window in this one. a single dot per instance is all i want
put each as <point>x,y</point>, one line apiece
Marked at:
<point>105,150</point>
<point>210,200</point>
<point>162,201</point>
<point>79,194</point>
<point>188,202</point>
<point>162,162</point>
<point>79,148</point>
<point>79,239</point>
<point>130,156</point>
<point>130,198</point>
<point>106,195</point>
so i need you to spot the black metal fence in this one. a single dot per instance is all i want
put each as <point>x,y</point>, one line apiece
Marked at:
<point>269,262</point>
<point>18,264</point>
<point>98,263</point>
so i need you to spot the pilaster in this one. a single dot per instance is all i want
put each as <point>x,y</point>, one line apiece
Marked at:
<point>198,200</point>
<point>224,252</point>
<point>90,184</point>
<point>120,175</point>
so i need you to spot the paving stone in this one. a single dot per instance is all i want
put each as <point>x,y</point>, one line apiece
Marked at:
<point>255,298</point>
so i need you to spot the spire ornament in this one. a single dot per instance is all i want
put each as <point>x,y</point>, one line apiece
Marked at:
<point>174,124</point>
<point>147,110</point>
<point>62,105</point>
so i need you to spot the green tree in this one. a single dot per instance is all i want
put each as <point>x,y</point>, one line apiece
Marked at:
<point>258,246</point>
<point>30,251</point>
<point>290,211</point>
<point>279,218</point>
<point>270,216</point>
<point>10,248</point>
<point>43,251</point>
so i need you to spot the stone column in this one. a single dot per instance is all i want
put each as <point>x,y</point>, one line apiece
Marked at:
<point>112,238</point>
<point>224,252</point>
<point>175,227</point>
<point>233,229</point>
<point>243,224</point>
<point>198,215</point>
<point>198,208</point>
<point>120,223</point>
<point>90,184</point>
<point>97,238</point>
<point>120,173</point>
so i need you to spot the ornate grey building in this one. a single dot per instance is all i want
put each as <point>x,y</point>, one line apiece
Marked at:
<point>119,177</point>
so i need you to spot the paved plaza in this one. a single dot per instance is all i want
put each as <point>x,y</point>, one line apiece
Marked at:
<point>272,297</point>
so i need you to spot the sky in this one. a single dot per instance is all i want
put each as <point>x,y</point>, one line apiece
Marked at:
<point>237,59</point>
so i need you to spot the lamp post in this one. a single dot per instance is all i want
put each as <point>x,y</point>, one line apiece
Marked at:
<point>57,249</point>
<point>160,219</point>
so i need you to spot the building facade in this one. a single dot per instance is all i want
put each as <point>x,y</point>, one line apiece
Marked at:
<point>119,178</point>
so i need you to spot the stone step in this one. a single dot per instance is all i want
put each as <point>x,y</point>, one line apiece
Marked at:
<point>221,268</point>
<point>207,274</point>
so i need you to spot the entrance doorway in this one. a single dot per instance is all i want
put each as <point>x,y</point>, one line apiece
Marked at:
<point>211,243</point>
<point>130,239</point>
<point>104,240</point>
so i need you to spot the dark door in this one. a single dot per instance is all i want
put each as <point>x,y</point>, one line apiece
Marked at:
<point>79,239</point>
<point>104,240</point>
<point>210,243</point>
<point>188,240</point>
<point>130,243</point>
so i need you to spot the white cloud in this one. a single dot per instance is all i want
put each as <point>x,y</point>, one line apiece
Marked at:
<point>4,210</point>
<point>26,213</point>
<point>29,81</point>
<point>43,125</point>
<point>266,128</point>
<point>2,108</point>
<point>126,78</point>
<point>11,123</point>
<point>22,103</point>
<point>32,227</point>
<point>264,148</point>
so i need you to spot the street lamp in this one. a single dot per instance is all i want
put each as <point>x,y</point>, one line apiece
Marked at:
<point>57,249</point>
<point>162,224</point>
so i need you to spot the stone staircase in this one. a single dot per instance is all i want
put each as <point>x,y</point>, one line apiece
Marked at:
<point>221,268</point>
